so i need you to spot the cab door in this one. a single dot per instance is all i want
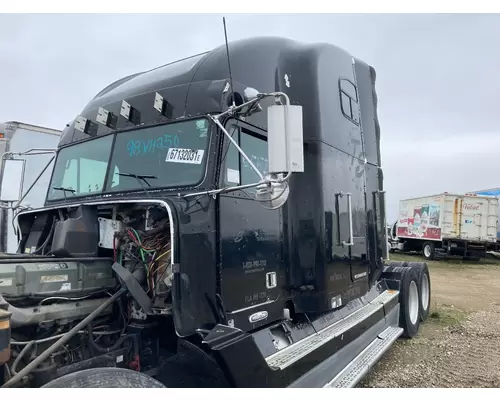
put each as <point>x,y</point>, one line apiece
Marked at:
<point>251,263</point>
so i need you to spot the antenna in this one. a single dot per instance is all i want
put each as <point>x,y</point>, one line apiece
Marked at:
<point>228,61</point>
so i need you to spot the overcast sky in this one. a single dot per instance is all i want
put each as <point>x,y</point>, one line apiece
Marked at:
<point>438,78</point>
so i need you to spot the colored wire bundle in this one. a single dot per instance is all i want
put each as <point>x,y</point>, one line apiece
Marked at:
<point>152,252</point>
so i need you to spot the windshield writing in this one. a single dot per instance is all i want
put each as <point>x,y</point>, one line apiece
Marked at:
<point>171,155</point>
<point>138,147</point>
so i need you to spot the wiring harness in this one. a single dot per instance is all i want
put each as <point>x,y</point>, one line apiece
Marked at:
<point>150,250</point>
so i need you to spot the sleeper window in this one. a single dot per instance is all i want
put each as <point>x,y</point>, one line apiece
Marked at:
<point>349,100</point>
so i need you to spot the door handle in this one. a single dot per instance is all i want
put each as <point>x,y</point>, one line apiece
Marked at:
<point>349,210</point>
<point>349,213</point>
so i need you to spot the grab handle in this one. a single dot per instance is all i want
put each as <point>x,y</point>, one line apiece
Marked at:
<point>349,211</point>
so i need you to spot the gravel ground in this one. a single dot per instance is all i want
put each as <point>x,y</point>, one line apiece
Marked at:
<point>459,345</point>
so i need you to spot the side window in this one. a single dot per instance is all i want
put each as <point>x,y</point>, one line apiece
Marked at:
<point>237,170</point>
<point>256,150</point>
<point>349,100</point>
<point>232,159</point>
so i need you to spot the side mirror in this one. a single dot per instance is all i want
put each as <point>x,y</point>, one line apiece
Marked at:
<point>285,139</point>
<point>285,143</point>
<point>13,179</point>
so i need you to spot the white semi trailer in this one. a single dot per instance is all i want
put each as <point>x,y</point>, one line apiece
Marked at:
<point>36,146</point>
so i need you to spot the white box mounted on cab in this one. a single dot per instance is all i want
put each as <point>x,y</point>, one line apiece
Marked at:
<point>285,139</point>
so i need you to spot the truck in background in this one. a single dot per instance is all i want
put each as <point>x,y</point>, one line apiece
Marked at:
<point>494,192</point>
<point>39,143</point>
<point>446,224</point>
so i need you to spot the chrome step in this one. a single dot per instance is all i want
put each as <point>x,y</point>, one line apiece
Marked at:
<point>296,351</point>
<point>359,367</point>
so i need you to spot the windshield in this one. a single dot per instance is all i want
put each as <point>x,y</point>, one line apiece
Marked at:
<point>171,155</point>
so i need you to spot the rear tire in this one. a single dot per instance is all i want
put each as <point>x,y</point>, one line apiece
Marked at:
<point>424,288</point>
<point>104,378</point>
<point>429,250</point>
<point>409,317</point>
<point>405,278</point>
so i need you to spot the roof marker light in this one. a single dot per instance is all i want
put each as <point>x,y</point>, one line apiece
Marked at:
<point>102,116</point>
<point>81,124</point>
<point>130,113</point>
<point>106,118</point>
<point>163,106</point>
<point>86,126</point>
<point>159,103</point>
<point>125,110</point>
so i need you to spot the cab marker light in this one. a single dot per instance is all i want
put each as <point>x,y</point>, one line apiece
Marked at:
<point>162,106</point>
<point>106,118</point>
<point>130,113</point>
<point>86,126</point>
<point>159,103</point>
<point>125,110</point>
<point>81,124</point>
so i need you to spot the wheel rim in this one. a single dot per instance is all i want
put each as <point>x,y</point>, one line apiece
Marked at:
<point>413,302</point>
<point>427,251</point>
<point>425,292</point>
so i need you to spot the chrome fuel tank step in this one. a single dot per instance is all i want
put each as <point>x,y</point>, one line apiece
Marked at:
<point>358,368</point>
<point>296,351</point>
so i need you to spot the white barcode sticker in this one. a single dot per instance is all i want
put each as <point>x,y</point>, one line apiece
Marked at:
<point>186,156</point>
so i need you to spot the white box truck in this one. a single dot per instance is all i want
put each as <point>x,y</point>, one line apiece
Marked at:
<point>446,224</point>
<point>37,142</point>
<point>494,192</point>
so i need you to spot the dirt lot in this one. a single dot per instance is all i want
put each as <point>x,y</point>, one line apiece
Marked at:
<point>459,345</point>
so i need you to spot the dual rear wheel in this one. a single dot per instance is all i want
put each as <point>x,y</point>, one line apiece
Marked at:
<point>415,294</point>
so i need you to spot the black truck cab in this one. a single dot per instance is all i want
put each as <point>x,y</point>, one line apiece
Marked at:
<point>284,283</point>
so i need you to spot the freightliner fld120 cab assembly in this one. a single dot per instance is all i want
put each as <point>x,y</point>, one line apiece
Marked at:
<point>207,228</point>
